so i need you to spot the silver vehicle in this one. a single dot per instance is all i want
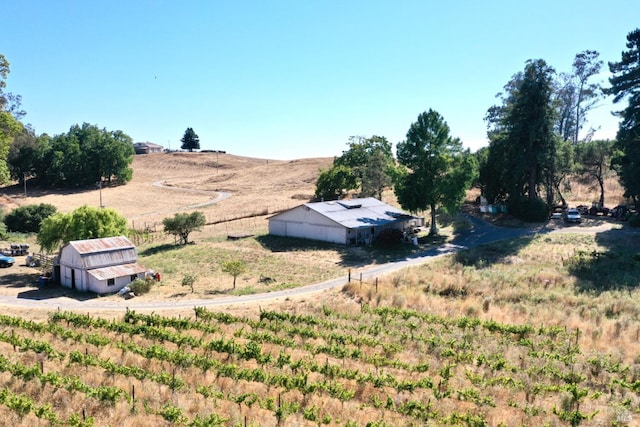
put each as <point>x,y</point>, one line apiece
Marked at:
<point>572,215</point>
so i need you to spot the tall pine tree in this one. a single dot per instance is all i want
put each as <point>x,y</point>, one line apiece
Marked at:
<point>625,83</point>
<point>190,140</point>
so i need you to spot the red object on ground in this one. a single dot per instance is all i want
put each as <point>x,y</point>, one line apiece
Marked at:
<point>157,276</point>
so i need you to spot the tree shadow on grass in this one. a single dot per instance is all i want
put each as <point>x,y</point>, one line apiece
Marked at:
<point>488,254</point>
<point>350,256</point>
<point>160,248</point>
<point>617,267</point>
<point>219,292</point>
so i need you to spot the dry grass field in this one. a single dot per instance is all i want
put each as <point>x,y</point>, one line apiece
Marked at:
<point>543,330</point>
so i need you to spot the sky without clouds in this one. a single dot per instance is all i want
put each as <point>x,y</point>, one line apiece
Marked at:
<point>291,79</point>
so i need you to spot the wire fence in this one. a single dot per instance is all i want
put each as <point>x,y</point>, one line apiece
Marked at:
<point>145,232</point>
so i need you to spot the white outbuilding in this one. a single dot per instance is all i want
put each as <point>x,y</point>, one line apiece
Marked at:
<point>99,265</point>
<point>347,222</point>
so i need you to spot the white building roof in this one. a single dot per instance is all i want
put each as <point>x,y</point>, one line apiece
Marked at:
<point>355,213</point>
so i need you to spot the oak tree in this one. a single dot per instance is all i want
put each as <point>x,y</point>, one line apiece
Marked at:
<point>183,224</point>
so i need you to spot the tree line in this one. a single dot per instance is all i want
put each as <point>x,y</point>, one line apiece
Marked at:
<point>537,141</point>
<point>83,156</point>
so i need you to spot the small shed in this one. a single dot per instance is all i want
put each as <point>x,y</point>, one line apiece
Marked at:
<point>354,221</point>
<point>99,265</point>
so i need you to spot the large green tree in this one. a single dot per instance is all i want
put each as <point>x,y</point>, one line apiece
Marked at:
<point>521,134</point>
<point>10,114</point>
<point>435,169</point>
<point>190,140</point>
<point>85,222</point>
<point>335,182</point>
<point>83,156</point>
<point>27,219</point>
<point>625,84</point>
<point>365,166</point>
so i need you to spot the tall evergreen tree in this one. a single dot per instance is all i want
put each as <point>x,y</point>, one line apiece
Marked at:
<point>522,140</point>
<point>435,169</point>
<point>625,83</point>
<point>190,140</point>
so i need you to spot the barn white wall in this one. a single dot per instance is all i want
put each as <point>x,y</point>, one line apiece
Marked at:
<point>305,223</point>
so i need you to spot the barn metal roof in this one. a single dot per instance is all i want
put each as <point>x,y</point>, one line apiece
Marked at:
<point>105,244</point>
<point>354,213</point>
<point>116,271</point>
<point>98,253</point>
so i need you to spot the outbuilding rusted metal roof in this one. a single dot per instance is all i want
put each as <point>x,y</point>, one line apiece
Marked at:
<point>105,244</point>
<point>116,271</point>
<point>99,253</point>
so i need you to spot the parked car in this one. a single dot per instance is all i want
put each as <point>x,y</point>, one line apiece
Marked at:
<point>6,261</point>
<point>572,215</point>
<point>619,212</point>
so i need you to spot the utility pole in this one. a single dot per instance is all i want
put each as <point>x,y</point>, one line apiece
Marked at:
<point>100,187</point>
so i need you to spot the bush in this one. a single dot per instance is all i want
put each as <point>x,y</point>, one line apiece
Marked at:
<point>140,286</point>
<point>634,221</point>
<point>27,219</point>
<point>535,210</point>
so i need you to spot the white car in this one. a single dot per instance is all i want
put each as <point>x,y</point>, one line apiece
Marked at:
<point>572,215</point>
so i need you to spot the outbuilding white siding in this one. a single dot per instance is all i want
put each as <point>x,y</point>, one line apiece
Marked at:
<point>304,223</point>
<point>99,265</point>
<point>354,221</point>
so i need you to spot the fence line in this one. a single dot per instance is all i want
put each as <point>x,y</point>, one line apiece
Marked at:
<point>211,220</point>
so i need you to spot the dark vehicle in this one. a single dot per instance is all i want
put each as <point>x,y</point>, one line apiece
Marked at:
<point>572,215</point>
<point>598,209</point>
<point>619,212</point>
<point>6,261</point>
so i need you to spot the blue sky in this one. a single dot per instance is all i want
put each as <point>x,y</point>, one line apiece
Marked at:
<point>291,79</point>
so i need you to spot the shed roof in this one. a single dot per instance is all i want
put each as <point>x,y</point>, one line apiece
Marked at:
<point>115,271</point>
<point>354,213</point>
<point>105,244</point>
<point>99,253</point>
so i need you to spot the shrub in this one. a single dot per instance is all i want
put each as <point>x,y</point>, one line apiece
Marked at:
<point>189,280</point>
<point>27,219</point>
<point>634,221</point>
<point>140,286</point>
<point>535,210</point>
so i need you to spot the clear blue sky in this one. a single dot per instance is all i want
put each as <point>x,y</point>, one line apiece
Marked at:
<point>291,79</point>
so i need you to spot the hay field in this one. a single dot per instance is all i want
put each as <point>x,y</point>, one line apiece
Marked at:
<point>166,183</point>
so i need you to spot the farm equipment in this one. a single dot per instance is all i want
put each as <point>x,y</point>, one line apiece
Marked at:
<point>16,250</point>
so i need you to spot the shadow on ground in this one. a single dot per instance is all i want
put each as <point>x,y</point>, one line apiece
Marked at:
<point>615,267</point>
<point>55,291</point>
<point>159,248</point>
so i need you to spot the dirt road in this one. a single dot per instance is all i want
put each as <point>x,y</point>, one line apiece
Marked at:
<point>479,234</point>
